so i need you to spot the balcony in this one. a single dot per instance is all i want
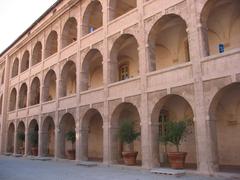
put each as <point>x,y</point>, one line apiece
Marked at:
<point>92,96</point>
<point>221,65</point>
<point>22,113</point>
<point>124,88</point>
<point>69,50</point>
<point>34,110</point>
<point>12,115</point>
<point>68,102</point>
<point>49,106</point>
<point>171,77</point>
<point>92,38</point>
<point>50,61</point>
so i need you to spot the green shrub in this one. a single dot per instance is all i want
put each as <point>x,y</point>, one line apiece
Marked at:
<point>127,133</point>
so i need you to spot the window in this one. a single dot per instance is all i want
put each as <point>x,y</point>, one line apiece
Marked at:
<point>123,72</point>
<point>163,118</point>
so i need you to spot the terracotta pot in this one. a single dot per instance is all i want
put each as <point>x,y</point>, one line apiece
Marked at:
<point>34,151</point>
<point>21,150</point>
<point>130,158</point>
<point>71,154</point>
<point>177,159</point>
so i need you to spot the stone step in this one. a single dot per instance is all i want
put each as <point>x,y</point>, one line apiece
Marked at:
<point>86,163</point>
<point>167,171</point>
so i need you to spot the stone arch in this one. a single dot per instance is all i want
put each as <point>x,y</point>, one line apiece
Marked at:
<point>25,61</point>
<point>10,138</point>
<point>15,67</point>
<point>48,137</point>
<point>124,58</point>
<point>168,42</point>
<point>69,34</point>
<point>68,79</point>
<point>224,116</point>
<point>35,92</point>
<point>172,108</point>
<point>222,21</point>
<point>20,143</point>
<point>33,136</point>
<point>92,70</point>
<point>119,7</point>
<point>128,112</point>
<point>66,125</point>
<point>22,102</point>
<point>49,89</point>
<point>51,44</point>
<point>92,134</point>
<point>13,100</point>
<point>93,17</point>
<point>37,53</point>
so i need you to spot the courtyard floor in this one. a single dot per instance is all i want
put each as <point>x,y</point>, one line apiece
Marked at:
<point>12,168</point>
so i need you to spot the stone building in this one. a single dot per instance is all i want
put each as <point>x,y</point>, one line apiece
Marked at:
<point>86,65</point>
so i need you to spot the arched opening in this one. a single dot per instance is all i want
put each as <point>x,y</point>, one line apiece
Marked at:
<point>37,53</point>
<point>124,112</point>
<point>172,108</point>
<point>51,44</point>
<point>92,134</point>
<point>69,34</point>
<point>33,137</point>
<point>35,92</point>
<point>222,20</point>
<point>13,100</point>
<point>68,76</point>
<point>49,89</point>
<point>93,17</point>
<point>25,61</point>
<point>15,67</point>
<point>10,138</point>
<point>1,102</point>
<point>21,138</point>
<point>48,137</point>
<point>67,126</point>
<point>168,43</point>
<point>124,58</point>
<point>22,103</point>
<point>92,70</point>
<point>119,7</point>
<point>224,118</point>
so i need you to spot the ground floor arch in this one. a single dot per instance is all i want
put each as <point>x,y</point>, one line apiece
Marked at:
<point>48,137</point>
<point>10,138</point>
<point>67,148</point>
<point>92,135</point>
<point>172,108</point>
<point>33,137</point>
<point>224,116</point>
<point>21,138</point>
<point>124,112</point>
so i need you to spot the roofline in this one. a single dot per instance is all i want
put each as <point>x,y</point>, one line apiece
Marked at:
<point>32,26</point>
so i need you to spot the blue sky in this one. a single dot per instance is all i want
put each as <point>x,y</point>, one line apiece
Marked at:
<point>17,15</point>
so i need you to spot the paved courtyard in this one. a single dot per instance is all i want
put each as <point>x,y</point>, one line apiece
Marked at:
<point>25,169</point>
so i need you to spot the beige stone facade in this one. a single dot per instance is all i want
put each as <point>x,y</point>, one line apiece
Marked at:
<point>88,64</point>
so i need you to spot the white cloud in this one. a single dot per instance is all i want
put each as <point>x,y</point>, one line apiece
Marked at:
<point>17,15</point>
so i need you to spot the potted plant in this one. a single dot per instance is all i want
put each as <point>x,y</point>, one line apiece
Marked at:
<point>71,136</point>
<point>33,137</point>
<point>21,138</point>
<point>128,135</point>
<point>175,131</point>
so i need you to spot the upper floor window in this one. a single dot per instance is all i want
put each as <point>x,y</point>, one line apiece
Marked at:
<point>123,72</point>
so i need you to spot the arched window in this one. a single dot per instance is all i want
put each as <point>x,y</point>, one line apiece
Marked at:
<point>69,34</point>
<point>25,61</point>
<point>51,44</point>
<point>15,67</point>
<point>37,53</point>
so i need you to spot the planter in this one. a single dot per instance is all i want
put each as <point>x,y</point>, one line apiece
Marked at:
<point>130,158</point>
<point>21,150</point>
<point>177,159</point>
<point>71,154</point>
<point>34,151</point>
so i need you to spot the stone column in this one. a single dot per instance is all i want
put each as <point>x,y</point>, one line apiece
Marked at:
<point>106,135</point>
<point>15,140</point>
<point>198,46</point>
<point>57,143</point>
<point>83,138</point>
<point>26,143</point>
<point>40,142</point>
<point>78,144</point>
